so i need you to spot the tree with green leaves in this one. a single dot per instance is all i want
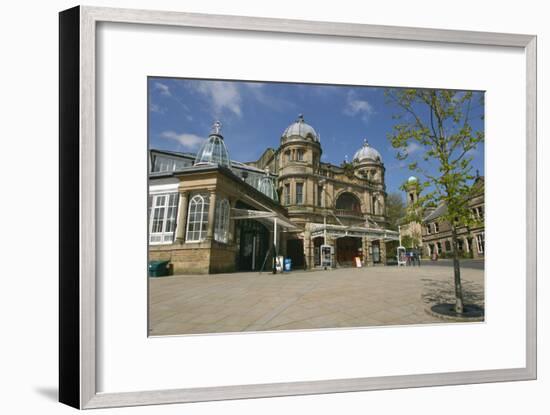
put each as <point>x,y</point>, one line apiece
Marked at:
<point>439,123</point>
<point>395,209</point>
<point>410,241</point>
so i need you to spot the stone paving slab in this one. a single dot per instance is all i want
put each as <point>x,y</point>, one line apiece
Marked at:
<point>348,297</point>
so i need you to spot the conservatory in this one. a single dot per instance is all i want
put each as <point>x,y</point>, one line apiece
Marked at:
<point>207,217</point>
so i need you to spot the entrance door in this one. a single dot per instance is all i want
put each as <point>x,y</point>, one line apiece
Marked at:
<point>253,246</point>
<point>295,250</point>
<point>376,252</point>
<point>347,248</point>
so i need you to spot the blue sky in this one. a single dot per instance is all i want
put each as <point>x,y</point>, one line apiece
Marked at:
<point>255,114</point>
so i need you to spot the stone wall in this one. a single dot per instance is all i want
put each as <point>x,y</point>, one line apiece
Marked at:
<point>191,260</point>
<point>222,258</point>
<point>200,258</point>
<point>185,259</point>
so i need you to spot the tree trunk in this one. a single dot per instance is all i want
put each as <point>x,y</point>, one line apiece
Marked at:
<point>459,306</point>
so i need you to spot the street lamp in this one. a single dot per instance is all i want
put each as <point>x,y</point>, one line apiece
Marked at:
<point>323,183</point>
<point>399,230</point>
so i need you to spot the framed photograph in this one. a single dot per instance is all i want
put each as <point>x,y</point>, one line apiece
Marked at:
<point>255,207</point>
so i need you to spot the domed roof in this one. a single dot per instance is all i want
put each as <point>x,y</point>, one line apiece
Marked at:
<point>214,151</point>
<point>412,179</point>
<point>300,128</point>
<point>366,152</point>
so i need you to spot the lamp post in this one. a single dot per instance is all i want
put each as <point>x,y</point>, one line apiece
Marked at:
<point>323,183</point>
<point>274,245</point>
<point>399,230</point>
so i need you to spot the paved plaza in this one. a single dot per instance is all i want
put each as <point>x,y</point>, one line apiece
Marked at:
<point>347,297</point>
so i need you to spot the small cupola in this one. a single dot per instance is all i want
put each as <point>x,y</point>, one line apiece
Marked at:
<point>300,130</point>
<point>214,151</point>
<point>367,153</point>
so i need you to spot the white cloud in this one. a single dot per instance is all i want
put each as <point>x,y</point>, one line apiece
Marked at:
<point>222,95</point>
<point>227,97</point>
<point>187,141</point>
<point>163,88</point>
<point>358,107</point>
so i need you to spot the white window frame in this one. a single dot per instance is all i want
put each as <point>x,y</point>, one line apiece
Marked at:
<point>169,217</point>
<point>204,201</point>
<point>221,221</point>
<point>480,247</point>
<point>287,195</point>
<point>300,202</point>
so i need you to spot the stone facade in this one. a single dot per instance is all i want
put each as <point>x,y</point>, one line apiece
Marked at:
<point>437,235</point>
<point>348,200</point>
<point>209,256</point>
<point>411,225</point>
<point>314,192</point>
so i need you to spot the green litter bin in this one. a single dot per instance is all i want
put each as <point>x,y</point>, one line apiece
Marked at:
<point>158,268</point>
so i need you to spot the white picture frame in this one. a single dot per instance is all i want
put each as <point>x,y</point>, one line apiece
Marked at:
<point>78,164</point>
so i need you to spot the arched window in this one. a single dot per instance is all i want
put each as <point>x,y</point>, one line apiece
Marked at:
<point>349,202</point>
<point>197,218</point>
<point>221,222</point>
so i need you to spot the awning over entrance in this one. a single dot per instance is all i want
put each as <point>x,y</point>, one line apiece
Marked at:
<point>338,231</point>
<point>266,217</point>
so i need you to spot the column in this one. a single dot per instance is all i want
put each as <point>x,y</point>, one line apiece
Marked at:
<point>368,247</point>
<point>332,242</point>
<point>308,248</point>
<point>182,217</point>
<point>211,216</point>
<point>475,247</point>
<point>365,251</point>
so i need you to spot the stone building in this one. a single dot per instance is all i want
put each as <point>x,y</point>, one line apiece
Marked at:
<point>436,231</point>
<point>208,213</point>
<point>411,225</point>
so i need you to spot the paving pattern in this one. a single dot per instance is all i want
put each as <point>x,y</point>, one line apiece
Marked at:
<point>350,297</point>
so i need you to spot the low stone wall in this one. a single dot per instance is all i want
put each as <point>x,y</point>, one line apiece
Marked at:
<point>196,258</point>
<point>222,258</point>
<point>185,258</point>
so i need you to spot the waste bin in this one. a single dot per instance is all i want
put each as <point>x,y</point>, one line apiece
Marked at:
<point>158,268</point>
<point>288,264</point>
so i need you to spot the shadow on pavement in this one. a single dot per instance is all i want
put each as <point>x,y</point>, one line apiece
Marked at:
<point>438,292</point>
